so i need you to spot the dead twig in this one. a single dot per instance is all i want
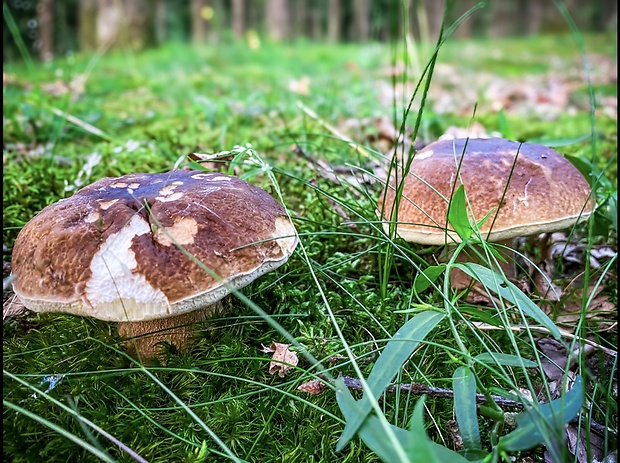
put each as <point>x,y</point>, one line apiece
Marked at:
<point>421,389</point>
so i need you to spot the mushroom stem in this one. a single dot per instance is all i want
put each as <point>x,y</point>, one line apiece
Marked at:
<point>144,338</point>
<point>460,280</point>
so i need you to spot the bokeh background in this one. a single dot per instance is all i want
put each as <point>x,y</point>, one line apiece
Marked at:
<point>54,28</point>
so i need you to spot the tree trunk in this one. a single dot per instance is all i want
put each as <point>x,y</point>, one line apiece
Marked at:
<point>45,14</point>
<point>609,16</point>
<point>316,31</point>
<point>502,21</point>
<point>361,20</point>
<point>300,18</point>
<point>87,25</point>
<point>199,23</point>
<point>238,17</point>
<point>532,18</point>
<point>123,24</point>
<point>333,21</point>
<point>465,30</point>
<point>276,19</point>
<point>431,18</point>
<point>160,22</point>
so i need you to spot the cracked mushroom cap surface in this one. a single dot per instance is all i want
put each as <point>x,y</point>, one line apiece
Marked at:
<point>528,188</point>
<point>121,248</point>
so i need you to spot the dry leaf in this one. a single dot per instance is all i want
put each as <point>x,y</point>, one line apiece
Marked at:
<point>314,387</point>
<point>577,441</point>
<point>455,433</point>
<point>12,308</point>
<point>301,86</point>
<point>59,88</point>
<point>599,310</point>
<point>218,162</point>
<point>475,130</point>
<point>283,359</point>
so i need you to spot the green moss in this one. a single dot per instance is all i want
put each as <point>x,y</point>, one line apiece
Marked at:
<point>156,107</point>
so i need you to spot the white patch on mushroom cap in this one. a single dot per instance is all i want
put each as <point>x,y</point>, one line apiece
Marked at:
<point>167,193</point>
<point>114,290</point>
<point>106,204</point>
<point>200,176</point>
<point>172,197</point>
<point>92,217</point>
<point>424,154</point>
<point>181,233</point>
<point>284,234</point>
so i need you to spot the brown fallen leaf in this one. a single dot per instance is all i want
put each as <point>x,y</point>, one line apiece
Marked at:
<point>314,387</point>
<point>475,130</point>
<point>301,86</point>
<point>12,308</point>
<point>577,441</point>
<point>217,162</point>
<point>59,88</point>
<point>283,359</point>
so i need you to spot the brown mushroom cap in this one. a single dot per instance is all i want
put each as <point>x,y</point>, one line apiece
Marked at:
<point>545,191</point>
<point>113,250</point>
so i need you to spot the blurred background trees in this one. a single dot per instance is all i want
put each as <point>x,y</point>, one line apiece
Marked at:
<point>50,28</point>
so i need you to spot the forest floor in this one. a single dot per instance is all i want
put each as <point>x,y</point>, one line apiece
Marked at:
<point>322,122</point>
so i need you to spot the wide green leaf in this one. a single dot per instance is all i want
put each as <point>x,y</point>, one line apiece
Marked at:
<point>396,352</point>
<point>420,447</point>
<point>457,214</point>
<point>507,360</point>
<point>507,290</point>
<point>414,444</point>
<point>428,276</point>
<point>372,432</point>
<point>465,409</point>
<point>537,422</point>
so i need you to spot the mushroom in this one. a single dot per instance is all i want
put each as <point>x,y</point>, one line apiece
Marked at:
<point>153,252</point>
<point>528,188</point>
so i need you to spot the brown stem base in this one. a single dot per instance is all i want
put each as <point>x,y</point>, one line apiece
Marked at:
<point>144,339</point>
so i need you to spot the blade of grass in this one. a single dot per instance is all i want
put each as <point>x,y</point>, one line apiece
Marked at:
<point>396,352</point>
<point>533,425</point>
<point>63,432</point>
<point>507,290</point>
<point>464,386</point>
<point>81,418</point>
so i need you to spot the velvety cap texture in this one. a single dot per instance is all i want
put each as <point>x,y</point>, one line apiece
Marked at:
<point>135,247</point>
<point>528,188</point>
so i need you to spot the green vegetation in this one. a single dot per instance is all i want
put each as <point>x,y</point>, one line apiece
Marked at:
<point>72,121</point>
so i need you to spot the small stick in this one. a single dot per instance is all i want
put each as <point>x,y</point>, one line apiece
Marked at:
<point>420,388</point>
<point>563,332</point>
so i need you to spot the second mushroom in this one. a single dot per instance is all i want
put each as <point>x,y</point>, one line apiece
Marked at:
<point>528,188</point>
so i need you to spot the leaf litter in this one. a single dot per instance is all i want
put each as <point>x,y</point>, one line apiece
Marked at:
<point>283,359</point>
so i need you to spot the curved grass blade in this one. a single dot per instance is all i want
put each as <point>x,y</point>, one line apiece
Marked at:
<point>495,283</point>
<point>507,360</point>
<point>396,352</point>
<point>63,432</point>
<point>535,424</point>
<point>420,447</point>
<point>465,409</point>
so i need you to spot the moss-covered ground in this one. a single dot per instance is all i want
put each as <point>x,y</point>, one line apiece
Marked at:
<point>74,120</point>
